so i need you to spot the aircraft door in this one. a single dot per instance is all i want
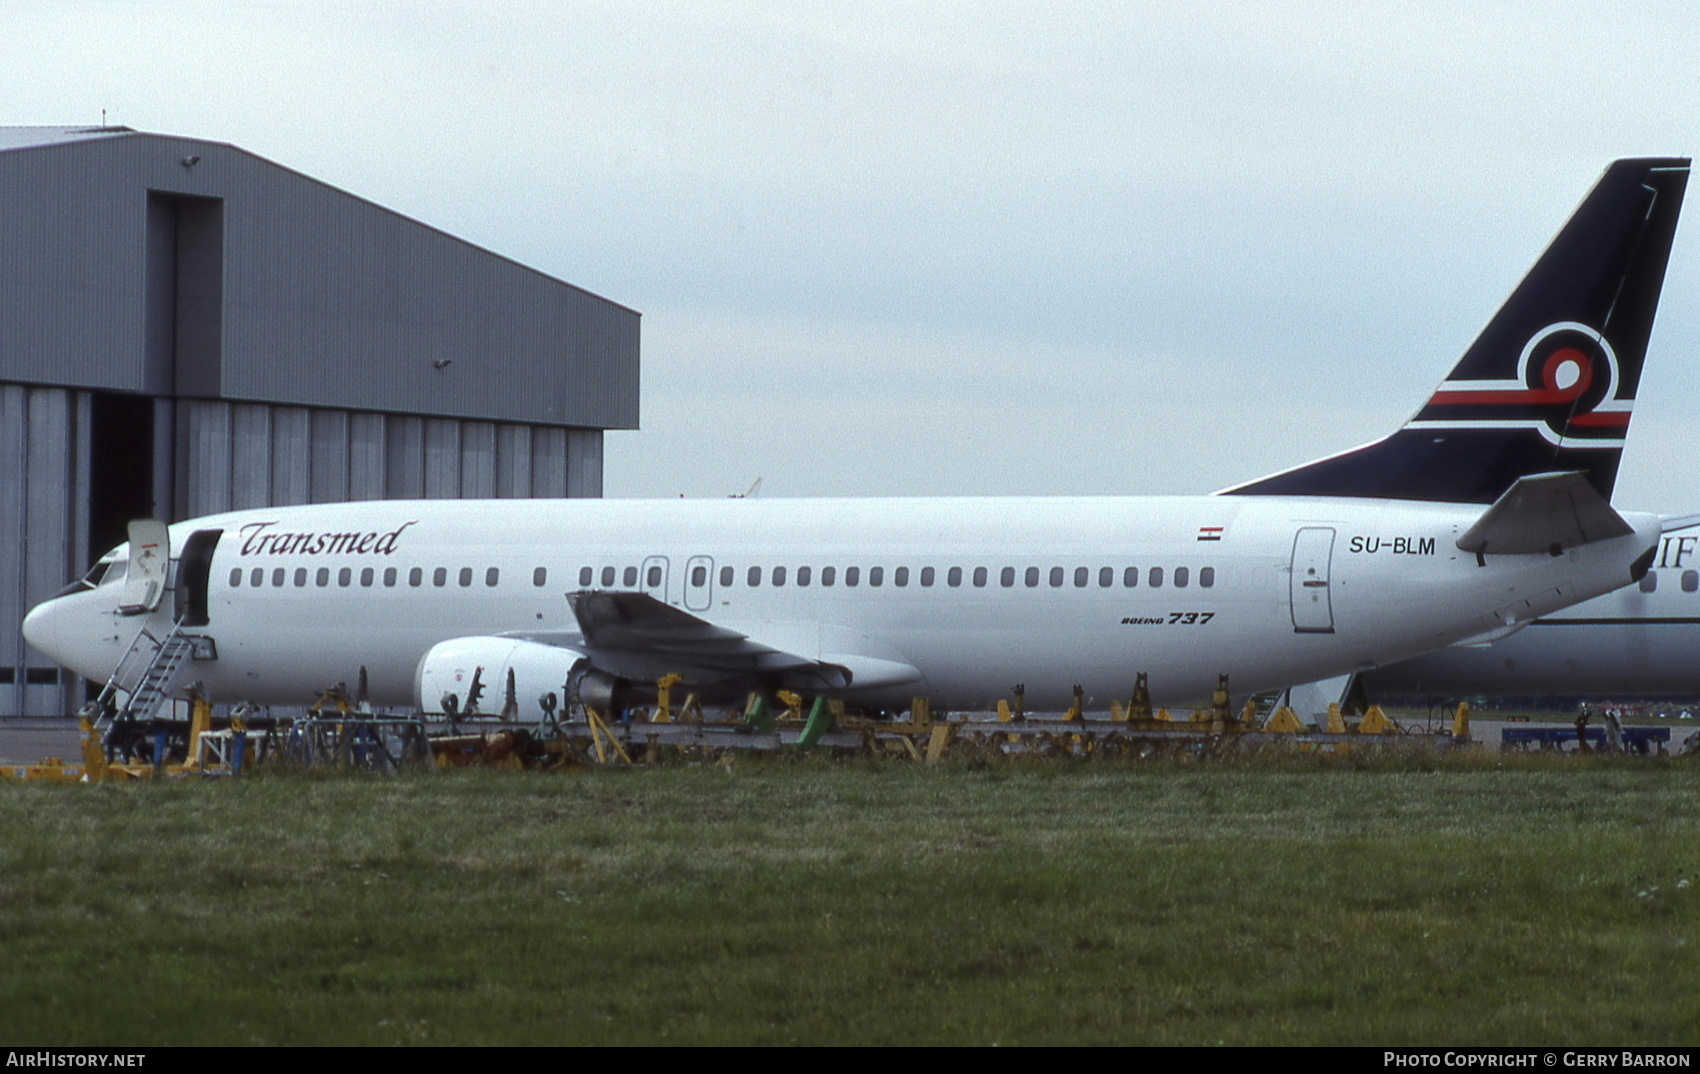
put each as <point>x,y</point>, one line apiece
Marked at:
<point>150,561</point>
<point>699,583</point>
<point>194,573</point>
<point>654,577</point>
<point>1313,608</point>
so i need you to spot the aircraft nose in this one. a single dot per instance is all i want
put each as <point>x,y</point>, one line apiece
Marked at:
<point>67,630</point>
<point>44,628</point>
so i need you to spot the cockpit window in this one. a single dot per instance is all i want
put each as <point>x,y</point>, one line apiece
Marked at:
<point>106,570</point>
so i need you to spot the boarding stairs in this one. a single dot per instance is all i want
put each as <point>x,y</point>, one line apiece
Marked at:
<point>147,673</point>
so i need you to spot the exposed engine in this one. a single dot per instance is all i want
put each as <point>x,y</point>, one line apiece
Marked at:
<point>509,677</point>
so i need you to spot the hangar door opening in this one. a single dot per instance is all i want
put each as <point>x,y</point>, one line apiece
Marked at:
<point>121,466</point>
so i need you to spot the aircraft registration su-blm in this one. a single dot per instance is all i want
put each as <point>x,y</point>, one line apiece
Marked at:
<point>1487,510</point>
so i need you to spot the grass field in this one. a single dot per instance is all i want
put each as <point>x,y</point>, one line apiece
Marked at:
<point>1404,901</point>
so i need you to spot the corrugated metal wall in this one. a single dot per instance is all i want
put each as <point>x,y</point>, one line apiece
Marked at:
<point>235,455</point>
<point>43,527</point>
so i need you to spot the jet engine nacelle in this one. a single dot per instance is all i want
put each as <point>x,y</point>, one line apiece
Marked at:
<point>466,675</point>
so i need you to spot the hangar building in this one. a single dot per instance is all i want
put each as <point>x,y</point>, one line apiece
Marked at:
<point>186,327</point>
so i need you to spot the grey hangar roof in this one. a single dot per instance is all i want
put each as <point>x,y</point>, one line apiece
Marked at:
<point>283,289</point>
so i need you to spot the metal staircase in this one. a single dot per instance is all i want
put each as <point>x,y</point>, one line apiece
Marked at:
<point>148,672</point>
<point>152,693</point>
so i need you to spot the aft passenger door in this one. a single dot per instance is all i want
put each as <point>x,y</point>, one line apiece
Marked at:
<point>1313,608</point>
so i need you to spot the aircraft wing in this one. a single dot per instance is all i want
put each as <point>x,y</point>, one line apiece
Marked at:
<point>637,636</point>
<point>622,629</point>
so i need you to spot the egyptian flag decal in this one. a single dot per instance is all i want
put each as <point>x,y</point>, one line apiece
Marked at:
<point>1210,533</point>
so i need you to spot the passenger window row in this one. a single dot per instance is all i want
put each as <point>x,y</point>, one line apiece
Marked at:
<point>980,577</point>
<point>955,577</point>
<point>345,577</point>
<point>1690,581</point>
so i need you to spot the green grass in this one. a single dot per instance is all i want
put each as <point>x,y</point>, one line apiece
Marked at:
<point>1400,901</point>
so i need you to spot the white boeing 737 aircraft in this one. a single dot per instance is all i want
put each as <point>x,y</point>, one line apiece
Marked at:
<point>1488,509</point>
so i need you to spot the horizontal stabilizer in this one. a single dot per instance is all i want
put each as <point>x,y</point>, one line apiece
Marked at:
<point>1545,513</point>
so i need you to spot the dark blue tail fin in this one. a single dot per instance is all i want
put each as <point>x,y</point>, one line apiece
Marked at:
<point>1549,384</point>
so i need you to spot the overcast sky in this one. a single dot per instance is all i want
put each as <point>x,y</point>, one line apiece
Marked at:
<point>986,248</point>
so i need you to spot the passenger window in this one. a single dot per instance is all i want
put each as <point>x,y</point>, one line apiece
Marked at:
<point>755,576</point>
<point>1650,583</point>
<point>1181,577</point>
<point>654,575</point>
<point>492,575</point>
<point>389,577</point>
<point>416,577</point>
<point>803,574</point>
<point>300,577</point>
<point>540,576</point>
<point>1032,577</point>
<point>726,576</point>
<point>876,576</point>
<point>236,578</point>
<point>900,577</point>
<point>927,576</point>
<point>607,576</point>
<point>1006,577</point>
<point>1690,581</point>
<point>258,577</point>
<point>345,576</point>
<point>586,575</point>
<point>779,576</point>
<point>828,575</point>
<point>628,577</point>
<point>1106,577</point>
<point>1056,577</point>
<point>980,577</point>
<point>954,577</point>
<point>322,577</point>
<point>699,576</point>
<point>366,575</point>
<point>1206,577</point>
<point>1081,577</point>
<point>465,577</point>
<point>1155,578</point>
<point>852,575</point>
<point>1130,578</point>
<point>440,576</point>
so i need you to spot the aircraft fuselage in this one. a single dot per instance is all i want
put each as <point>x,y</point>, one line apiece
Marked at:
<point>975,595</point>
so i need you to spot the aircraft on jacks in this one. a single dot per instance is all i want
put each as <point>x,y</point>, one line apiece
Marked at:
<point>1488,509</point>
